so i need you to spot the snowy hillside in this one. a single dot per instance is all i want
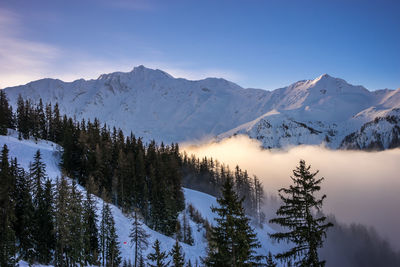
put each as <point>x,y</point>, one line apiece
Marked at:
<point>26,149</point>
<point>155,105</point>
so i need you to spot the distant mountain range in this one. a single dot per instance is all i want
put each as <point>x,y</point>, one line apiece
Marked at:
<point>153,104</point>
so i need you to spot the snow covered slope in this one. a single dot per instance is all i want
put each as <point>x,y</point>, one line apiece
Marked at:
<point>24,150</point>
<point>155,105</point>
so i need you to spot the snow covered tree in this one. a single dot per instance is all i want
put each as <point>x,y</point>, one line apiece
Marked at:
<point>157,257</point>
<point>232,241</point>
<point>178,258</point>
<point>7,234</point>
<point>298,214</point>
<point>138,237</point>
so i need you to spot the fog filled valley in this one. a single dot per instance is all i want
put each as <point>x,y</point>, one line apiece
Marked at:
<point>361,187</point>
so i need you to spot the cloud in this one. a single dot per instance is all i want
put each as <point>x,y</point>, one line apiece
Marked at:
<point>361,187</point>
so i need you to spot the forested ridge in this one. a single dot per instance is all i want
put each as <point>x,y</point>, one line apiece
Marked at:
<point>135,176</point>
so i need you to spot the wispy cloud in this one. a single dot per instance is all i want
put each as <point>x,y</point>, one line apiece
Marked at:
<point>21,60</point>
<point>24,60</point>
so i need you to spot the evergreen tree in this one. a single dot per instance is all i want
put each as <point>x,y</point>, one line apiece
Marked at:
<point>24,213</point>
<point>157,257</point>
<point>37,172</point>
<point>138,237</point>
<point>178,258</point>
<point>75,225</point>
<point>232,240</point>
<point>298,213</point>
<point>62,226</point>
<point>270,260</point>
<point>22,119</point>
<point>7,234</point>
<point>90,231</point>
<point>45,225</point>
<point>6,114</point>
<point>108,238</point>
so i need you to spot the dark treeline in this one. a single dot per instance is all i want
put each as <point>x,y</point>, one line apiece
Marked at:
<point>51,224</point>
<point>147,177</point>
<point>132,174</point>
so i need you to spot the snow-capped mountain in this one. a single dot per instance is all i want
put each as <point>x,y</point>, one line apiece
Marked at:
<point>155,105</point>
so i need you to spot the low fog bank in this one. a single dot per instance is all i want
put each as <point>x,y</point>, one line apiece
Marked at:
<point>361,187</point>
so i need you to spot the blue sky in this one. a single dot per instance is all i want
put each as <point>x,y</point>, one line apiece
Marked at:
<point>261,44</point>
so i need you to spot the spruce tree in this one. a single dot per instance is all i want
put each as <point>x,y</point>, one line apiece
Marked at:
<point>75,224</point>
<point>6,115</point>
<point>108,239</point>
<point>45,225</point>
<point>157,257</point>
<point>232,241</point>
<point>24,213</point>
<point>37,172</point>
<point>138,237</point>
<point>7,234</point>
<point>299,214</point>
<point>178,257</point>
<point>90,231</point>
<point>62,226</point>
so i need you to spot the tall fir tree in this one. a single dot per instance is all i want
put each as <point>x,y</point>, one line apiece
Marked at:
<point>62,222</point>
<point>90,229</point>
<point>6,114</point>
<point>108,239</point>
<point>45,225</point>
<point>232,241</point>
<point>24,213</point>
<point>178,257</point>
<point>75,225</point>
<point>138,237</point>
<point>298,213</point>
<point>157,257</point>
<point>7,234</point>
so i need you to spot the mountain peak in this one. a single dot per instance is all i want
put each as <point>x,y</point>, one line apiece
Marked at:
<point>145,72</point>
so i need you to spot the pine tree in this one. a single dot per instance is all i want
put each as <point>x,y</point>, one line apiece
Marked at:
<point>270,260</point>
<point>232,240</point>
<point>157,257</point>
<point>45,225</point>
<point>138,237</point>
<point>90,231</point>
<point>75,223</point>
<point>7,234</point>
<point>62,222</point>
<point>6,115</point>
<point>37,172</point>
<point>178,258</point>
<point>24,213</point>
<point>108,239</point>
<point>298,214</point>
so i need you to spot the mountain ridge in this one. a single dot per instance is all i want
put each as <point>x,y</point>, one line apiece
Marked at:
<point>155,105</point>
